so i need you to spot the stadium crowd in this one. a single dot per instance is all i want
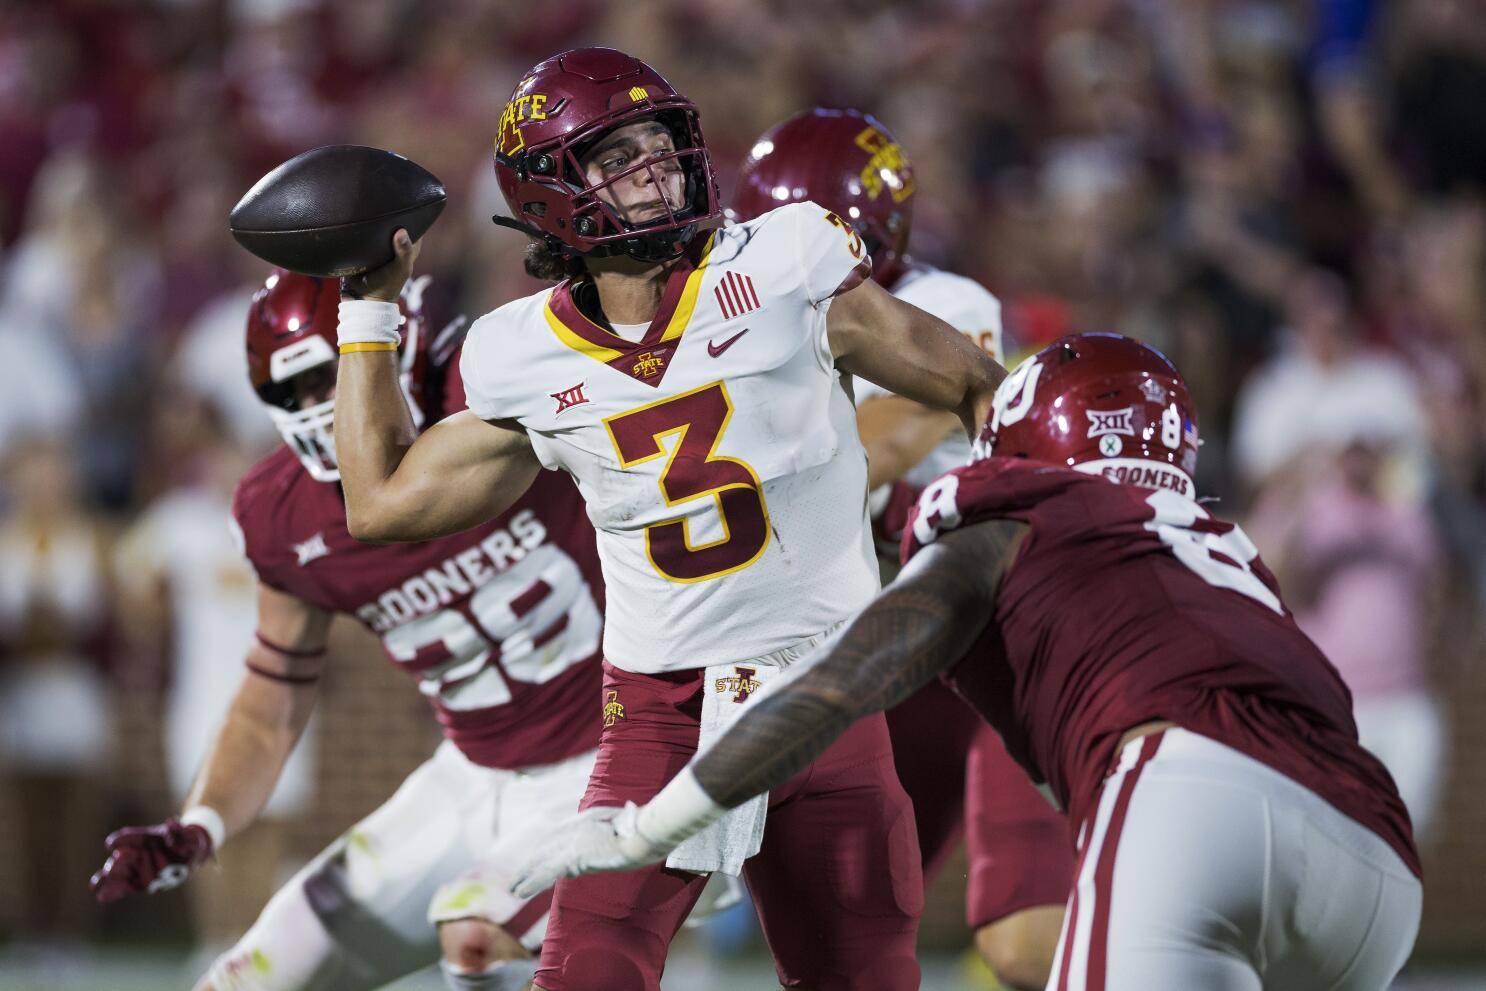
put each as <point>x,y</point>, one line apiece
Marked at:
<point>1287,196</point>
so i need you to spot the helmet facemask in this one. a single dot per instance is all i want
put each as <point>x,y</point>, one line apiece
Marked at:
<point>597,228</point>
<point>310,430</point>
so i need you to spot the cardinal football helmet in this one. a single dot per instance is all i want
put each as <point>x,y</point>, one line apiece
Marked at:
<point>292,330</point>
<point>847,162</point>
<point>1103,404</point>
<point>557,111</point>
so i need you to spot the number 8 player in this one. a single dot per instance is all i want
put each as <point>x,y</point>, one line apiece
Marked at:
<point>691,381</point>
<point>1133,652</point>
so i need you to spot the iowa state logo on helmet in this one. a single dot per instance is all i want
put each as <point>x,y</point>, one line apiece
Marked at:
<point>887,168</point>
<point>522,108</point>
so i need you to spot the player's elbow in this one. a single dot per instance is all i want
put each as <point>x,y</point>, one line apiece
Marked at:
<point>369,525</point>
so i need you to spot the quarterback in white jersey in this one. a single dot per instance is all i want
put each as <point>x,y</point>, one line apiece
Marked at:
<point>691,380</point>
<point>954,768</point>
<point>711,501</point>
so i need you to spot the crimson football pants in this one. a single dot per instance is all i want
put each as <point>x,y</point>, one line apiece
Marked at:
<point>837,883</point>
<point>962,781</point>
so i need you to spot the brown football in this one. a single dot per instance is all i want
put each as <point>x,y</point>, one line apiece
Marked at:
<point>332,211</point>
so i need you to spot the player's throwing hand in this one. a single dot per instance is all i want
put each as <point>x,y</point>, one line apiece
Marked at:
<point>603,838</point>
<point>147,859</point>
<point>385,283</point>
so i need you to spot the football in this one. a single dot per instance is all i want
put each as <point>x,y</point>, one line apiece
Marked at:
<point>332,211</point>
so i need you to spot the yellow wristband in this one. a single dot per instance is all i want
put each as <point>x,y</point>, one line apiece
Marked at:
<point>368,346</point>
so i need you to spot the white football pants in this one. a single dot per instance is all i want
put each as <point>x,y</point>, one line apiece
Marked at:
<point>1202,868</point>
<point>363,913</point>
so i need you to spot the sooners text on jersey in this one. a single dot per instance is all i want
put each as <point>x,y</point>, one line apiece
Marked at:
<point>500,625</point>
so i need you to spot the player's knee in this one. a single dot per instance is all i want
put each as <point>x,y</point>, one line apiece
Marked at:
<point>1020,954</point>
<point>475,945</point>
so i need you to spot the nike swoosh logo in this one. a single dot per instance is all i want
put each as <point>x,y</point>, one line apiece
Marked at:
<point>716,349</point>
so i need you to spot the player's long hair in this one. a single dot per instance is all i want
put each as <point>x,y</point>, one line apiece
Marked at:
<point>543,263</point>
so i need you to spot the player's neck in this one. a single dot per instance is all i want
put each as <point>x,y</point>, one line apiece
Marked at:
<point>629,290</point>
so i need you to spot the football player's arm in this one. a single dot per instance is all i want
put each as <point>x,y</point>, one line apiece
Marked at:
<point>268,714</point>
<point>911,353</point>
<point>917,627</point>
<point>260,730</point>
<point>401,485</point>
<point>898,433</point>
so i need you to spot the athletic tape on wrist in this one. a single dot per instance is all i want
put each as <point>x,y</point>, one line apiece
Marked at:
<point>208,819</point>
<point>363,322</point>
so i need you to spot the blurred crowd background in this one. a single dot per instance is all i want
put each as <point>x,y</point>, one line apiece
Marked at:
<point>1288,196</point>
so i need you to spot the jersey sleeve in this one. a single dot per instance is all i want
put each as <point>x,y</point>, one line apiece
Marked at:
<point>995,488</point>
<point>475,359</point>
<point>832,257</point>
<point>252,526</point>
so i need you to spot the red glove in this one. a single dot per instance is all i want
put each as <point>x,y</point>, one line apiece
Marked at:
<point>147,859</point>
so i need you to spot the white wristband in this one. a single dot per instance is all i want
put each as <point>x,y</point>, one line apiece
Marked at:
<point>208,819</point>
<point>368,321</point>
<point>681,809</point>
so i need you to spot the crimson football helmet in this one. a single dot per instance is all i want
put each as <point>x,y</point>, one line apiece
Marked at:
<point>1103,404</point>
<point>557,111</point>
<point>845,161</point>
<point>292,331</point>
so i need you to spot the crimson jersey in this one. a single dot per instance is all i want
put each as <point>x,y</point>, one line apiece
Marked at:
<point>1126,605</point>
<point>501,625</point>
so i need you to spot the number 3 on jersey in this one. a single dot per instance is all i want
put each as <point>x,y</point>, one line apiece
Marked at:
<point>693,470</point>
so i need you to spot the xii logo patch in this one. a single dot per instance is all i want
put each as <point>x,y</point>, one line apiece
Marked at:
<point>742,685</point>
<point>311,550</point>
<point>1114,421</point>
<point>568,398</point>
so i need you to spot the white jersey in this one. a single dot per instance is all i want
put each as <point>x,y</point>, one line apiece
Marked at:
<point>965,305</point>
<point>718,454</point>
